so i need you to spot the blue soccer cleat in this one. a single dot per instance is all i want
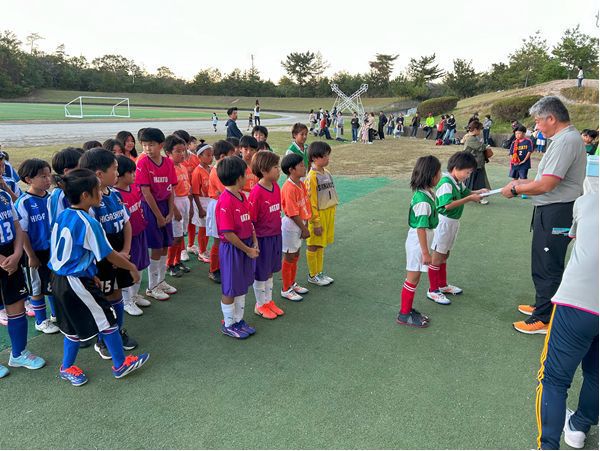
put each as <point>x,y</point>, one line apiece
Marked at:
<point>131,363</point>
<point>3,371</point>
<point>74,375</point>
<point>243,326</point>
<point>234,332</point>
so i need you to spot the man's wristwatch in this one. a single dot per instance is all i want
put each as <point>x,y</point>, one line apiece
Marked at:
<point>513,190</point>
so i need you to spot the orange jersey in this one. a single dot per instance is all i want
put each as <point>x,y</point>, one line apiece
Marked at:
<point>182,189</point>
<point>200,178</point>
<point>215,187</point>
<point>191,163</point>
<point>251,180</point>
<point>295,201</point>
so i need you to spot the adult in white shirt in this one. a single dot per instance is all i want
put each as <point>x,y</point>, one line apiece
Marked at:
<point>257,113</point>
<point>580,77</point>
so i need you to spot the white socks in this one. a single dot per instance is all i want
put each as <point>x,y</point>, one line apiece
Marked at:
<point>269,289</point>
<point>259,291</point>
<point>134,289</point>
<point>228,310</point>
<point>162,268</point>
<point>239,302</point>
<point>153,274</point>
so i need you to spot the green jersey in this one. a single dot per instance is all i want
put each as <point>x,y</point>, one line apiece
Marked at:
<point>447,191</point>
<point>302,152</point>
<point>422,213</point>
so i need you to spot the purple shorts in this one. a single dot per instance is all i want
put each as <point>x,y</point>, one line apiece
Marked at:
<point>139,251</point>
<point>269,259</point>
<point>157,237</point>
<point>237,269</point>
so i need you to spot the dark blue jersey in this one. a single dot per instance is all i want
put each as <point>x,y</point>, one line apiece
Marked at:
<point>8,216</point>
<point>112,212</point>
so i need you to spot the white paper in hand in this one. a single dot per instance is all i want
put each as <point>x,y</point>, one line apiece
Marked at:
<point>489,193</point>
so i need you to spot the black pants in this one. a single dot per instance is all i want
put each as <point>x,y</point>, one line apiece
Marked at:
<point>371,133</point>
<point>429,131</point>
<point>256,120</point>
<point>548,254</point>
<point>380,132</point>
<point>413,131</point>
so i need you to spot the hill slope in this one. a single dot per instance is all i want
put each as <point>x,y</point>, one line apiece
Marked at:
<point>583,115</point>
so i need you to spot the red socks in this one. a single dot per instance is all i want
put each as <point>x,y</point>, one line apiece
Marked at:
<point>202,239</point>
<point>214,257</point>
<point>191,234</point>
<point>288,272</point>
<point>434,277</point>
<point>407,297</point>
<point>443,281</point>
<point>174,255</point>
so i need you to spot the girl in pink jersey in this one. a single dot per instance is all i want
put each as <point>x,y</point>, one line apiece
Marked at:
<point>265,211</point>
<point>238,247</point>
<point>155,175</point>
<point>132,198</point>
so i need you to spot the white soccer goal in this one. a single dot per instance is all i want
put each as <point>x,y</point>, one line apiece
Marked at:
<point>113,107</point>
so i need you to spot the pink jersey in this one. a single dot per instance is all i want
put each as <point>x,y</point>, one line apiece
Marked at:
<point>160,178</point>
<point>265,210</point>
<point>133,201</point>
<point>233,215</point>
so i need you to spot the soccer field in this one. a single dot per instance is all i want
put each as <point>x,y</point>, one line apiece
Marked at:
<point>335,371</point>
<point>56,112</point>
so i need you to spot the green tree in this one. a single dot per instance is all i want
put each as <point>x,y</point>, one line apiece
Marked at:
<point>463,80</point>
<point>304,68</point>
<point>577,49</point>
<point>381,70</point>
<point>529,60</point>
<point>424,70</point>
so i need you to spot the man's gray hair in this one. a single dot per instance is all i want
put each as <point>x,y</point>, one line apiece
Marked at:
<point>550,106</point>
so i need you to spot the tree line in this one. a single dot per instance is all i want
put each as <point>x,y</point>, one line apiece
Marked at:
<point>24,68</point>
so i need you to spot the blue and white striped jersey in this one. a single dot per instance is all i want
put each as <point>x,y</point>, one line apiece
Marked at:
<point>76,244</point>
<point>58,203</point>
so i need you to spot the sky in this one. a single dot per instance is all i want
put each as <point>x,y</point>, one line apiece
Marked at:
<point>188,36</point>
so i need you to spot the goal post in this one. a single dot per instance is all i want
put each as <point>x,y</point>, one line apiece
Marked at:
<point>98,106</point>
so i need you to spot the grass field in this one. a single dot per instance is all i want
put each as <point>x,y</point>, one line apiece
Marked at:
<point>55,112</point>
<point>294,104</point>
<point>335,371</point>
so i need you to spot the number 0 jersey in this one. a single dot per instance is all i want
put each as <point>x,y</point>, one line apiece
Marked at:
<point>77,243</point>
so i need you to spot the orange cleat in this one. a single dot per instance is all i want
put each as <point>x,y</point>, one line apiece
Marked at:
<point>265,312</point>
<point>526,309</point>
<point>274,308</point>
<point>531,327</point>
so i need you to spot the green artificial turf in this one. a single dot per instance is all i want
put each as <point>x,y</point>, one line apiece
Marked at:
<point>335,372</point>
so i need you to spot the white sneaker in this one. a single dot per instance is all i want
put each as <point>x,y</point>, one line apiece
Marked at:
<point>166,288</point>
<point>132,309</point>
<point>47,327</point>
<point>575,439</point>
<point>53,318</point>
<point>291,295</point>
<point>29,309</point>
<point>3,318</point>
<point>193,250</point>
<point>184,256</point>
<point>141,301</point>
<point>451,289</point>
<point>204,257</point>
<point>327,278</point>
<point>157,294</point>
<point>438,297</point>
<point>317,280</point>
<point>298,289</point>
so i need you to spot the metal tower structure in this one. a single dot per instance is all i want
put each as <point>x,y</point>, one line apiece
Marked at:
<point>352,102</point>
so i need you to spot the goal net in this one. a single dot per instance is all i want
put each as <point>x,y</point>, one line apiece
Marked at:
<point>94,106</point>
